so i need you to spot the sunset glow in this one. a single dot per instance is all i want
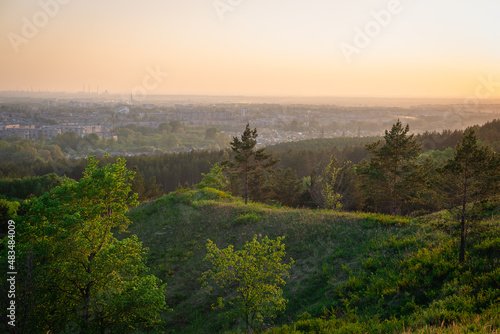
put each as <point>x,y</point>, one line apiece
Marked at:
<point>253,47</point>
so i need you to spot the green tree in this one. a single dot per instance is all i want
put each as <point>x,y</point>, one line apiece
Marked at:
<point>389,177</point>
<point>145,190</point>
<point>175,125</point>
<point>164,127</point>
<point>172,141</point>
<point>214,179</point>
<point>471,176</point>
<point>7,212</point>
<point>55,152</point>
<point>92,140</point>
<point>74,270</point>
<point>67,141</point>
<point>285,186</point>
<point>335,186</point>
<point>334,177</point>
<point>41,138</point>
<point>211,133</point>
<point>249,163</point>
<point>253,276</point>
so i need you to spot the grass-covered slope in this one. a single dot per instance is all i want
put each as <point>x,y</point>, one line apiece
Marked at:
<point>353,273</point>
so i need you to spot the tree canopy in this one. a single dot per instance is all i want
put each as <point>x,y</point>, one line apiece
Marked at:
<point>389,177</point>
<point>252,275</point>
<point>74,271</point>
<point>471,176</point>
<point>250,163</point>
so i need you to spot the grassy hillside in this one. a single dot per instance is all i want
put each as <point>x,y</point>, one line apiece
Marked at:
<point>353,273</point>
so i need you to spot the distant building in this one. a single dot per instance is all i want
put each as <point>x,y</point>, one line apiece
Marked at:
<point>8,126</point>
<point>49,132</point>
<point>122,110</point>
<point>81,130</point>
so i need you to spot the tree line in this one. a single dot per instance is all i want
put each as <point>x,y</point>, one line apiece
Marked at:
<point>307,159</point>
<point>393,181</point>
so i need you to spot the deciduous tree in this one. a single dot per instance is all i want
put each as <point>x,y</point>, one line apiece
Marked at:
<point>74,270</point>
<point>214,179</point>
<point>252,278</point>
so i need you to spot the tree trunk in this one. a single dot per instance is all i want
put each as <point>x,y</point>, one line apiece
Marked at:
<point>461,258</point>
<point>463,227</point>
<point>86,298</point>
<point>463,232</point>
<point>85,316</point>
<point>246,187</point>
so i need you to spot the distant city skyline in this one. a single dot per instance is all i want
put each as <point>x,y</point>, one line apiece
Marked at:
<point>365,48</point>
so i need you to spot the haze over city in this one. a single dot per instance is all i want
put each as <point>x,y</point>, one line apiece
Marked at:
<point>380,49</point>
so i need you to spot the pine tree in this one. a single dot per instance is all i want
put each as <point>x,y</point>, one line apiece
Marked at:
<point>388,179</point>
<point>285,186</point>
<point>249,163</point>
<point>471,176</point>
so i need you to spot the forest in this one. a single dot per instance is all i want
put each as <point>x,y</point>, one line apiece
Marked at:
<point>169,171</point>
<point>397,234</point>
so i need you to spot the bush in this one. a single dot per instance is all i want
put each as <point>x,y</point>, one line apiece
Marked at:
<point>247,219</point>
<point>7,211</point>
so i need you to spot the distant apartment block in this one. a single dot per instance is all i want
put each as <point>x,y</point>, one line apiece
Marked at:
<point>48,132</point>
<point>81,130</point>
<point>29,132</point>
<point>8,127</point>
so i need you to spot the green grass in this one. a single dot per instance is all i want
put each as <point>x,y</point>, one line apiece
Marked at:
<point>353,272</point>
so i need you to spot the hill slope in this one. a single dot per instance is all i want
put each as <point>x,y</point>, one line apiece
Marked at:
<point>352,272</point>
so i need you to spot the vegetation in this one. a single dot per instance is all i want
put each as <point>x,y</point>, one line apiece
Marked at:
<point>253,277</point>
<point>470,177</point>
<point>435,269</point>
<point>338,185</point>
<point>353,272</point>
<point>172,169</point>
<point>167,137</point>
<point>8,211</point>
<point>390,177</point>
<point>73,274</point>
<point>249,165</point>
<point>28,186</point>
<point>215,179</point>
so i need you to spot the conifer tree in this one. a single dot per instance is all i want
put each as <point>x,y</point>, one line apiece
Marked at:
<point>249,163</point>
<point>389,177</point>
<point>285,186</point>
<point>471,176</point>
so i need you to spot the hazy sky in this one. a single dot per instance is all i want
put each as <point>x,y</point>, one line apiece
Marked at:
<point>423,48</point>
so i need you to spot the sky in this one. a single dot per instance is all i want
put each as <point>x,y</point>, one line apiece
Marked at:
<point>362,48</point>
